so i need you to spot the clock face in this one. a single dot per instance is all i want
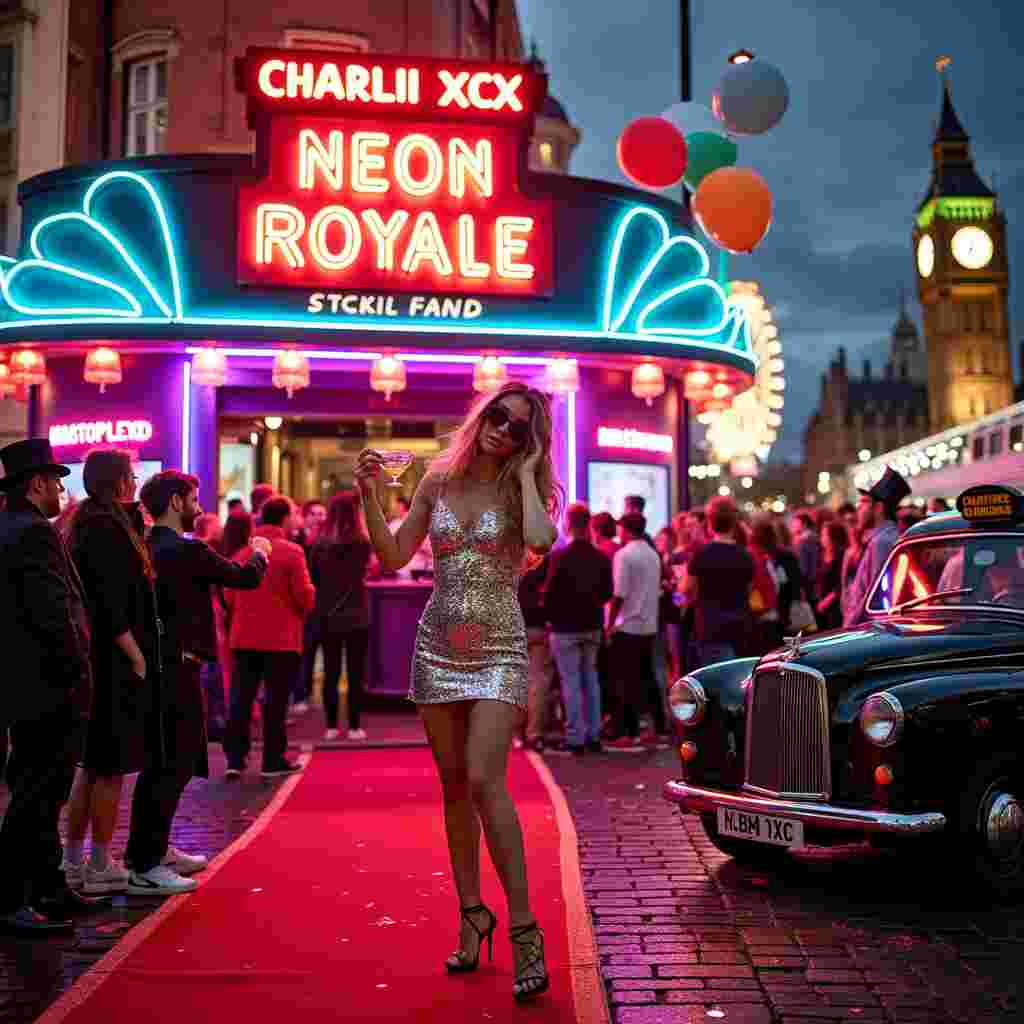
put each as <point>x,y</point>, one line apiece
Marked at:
<point>926,255</point>
<point>972,248</point>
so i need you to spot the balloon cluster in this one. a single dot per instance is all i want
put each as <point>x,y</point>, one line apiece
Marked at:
<point>695,145</point>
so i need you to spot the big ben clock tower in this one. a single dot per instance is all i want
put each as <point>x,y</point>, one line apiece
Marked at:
<point>962,279</point>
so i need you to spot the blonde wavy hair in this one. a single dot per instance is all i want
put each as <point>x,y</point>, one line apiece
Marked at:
<point>464,447</point>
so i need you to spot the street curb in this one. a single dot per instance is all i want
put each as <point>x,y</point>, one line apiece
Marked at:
<point>590,997</point>
<point>103,969</point>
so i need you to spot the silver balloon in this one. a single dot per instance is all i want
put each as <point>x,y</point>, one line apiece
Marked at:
<point>693,117</point>
<point>751,97</point>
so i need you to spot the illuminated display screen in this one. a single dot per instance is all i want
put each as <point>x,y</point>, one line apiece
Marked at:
<point>608,483</point>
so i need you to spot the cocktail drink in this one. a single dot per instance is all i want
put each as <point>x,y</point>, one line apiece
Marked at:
<point>395,463</point>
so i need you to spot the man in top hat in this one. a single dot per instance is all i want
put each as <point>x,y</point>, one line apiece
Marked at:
<point>45,633</point>
<point>876,512</point>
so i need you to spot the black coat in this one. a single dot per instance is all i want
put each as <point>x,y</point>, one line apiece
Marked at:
<point>43,623</point>
<point>120,599</point>
<point>186,572</point>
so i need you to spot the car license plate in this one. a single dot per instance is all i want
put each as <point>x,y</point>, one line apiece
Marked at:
<point>761,828</point>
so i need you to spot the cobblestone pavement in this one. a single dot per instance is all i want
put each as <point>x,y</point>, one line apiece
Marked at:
<point>847,934</point>
<point>685,935</point>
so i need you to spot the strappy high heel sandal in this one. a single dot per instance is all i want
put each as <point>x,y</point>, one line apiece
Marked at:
<point>459,962</point>
<point>532,975</point>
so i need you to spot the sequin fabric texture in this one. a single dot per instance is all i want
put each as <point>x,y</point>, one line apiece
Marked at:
<point>471,641</point>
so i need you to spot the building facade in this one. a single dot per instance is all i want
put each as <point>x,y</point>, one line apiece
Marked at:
<point>962,281</point>
<point>866,414</point>
<point>88,80</point>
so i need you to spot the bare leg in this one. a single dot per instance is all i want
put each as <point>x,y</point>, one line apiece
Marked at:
<point>106,801</point>
<point>79,807</point>
<point>447,728</point>
<point>492,725</point>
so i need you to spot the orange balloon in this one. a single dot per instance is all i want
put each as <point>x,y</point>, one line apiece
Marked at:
<point>733,206</point>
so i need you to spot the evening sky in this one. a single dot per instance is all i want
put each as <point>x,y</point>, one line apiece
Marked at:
<point>849,163</point>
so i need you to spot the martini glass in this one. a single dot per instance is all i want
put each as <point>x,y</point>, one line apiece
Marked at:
<point>395,463</point>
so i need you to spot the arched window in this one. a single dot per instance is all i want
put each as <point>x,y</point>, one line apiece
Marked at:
<point>144,58</point>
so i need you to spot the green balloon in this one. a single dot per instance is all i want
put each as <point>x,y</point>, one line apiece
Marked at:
<point>706,152</point>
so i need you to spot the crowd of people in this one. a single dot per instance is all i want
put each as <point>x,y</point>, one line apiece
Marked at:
<point>613,614</point>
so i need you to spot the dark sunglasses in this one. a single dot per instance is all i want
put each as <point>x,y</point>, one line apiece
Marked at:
<point>518,430</point>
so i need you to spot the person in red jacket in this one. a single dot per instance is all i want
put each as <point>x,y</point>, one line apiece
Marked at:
<point>266,644</point>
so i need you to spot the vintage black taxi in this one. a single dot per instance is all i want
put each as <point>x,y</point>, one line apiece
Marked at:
<point>907,727</point>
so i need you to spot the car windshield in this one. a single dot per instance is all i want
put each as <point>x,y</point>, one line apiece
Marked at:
<point>971,569</point>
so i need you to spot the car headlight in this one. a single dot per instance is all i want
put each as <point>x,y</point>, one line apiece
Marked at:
<point>686,700</point>
<point>881,719</point>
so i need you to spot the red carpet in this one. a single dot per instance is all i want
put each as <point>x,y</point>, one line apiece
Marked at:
<point>342,907</point>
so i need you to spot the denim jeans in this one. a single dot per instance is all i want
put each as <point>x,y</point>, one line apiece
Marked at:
<point>541,678</point>
<point>708,654</point>
<point>575,655</point>
<point>212,676</point>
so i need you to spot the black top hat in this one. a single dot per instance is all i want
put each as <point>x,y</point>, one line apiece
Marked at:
<point>24,458</point>
<point>890,490</point>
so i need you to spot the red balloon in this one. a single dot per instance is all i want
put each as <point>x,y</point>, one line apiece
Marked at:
<point>652,152</point>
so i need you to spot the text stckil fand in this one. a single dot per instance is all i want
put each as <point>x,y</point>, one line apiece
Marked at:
<point>400,203</point>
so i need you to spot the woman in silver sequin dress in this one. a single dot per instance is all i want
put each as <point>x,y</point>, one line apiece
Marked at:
<point>487,505</point>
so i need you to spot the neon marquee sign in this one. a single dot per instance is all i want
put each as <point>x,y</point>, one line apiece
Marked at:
<point>66,435</point>
<point>416,207</point>
<point>634,440</point>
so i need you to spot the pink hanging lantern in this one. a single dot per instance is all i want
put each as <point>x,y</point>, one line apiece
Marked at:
<point>291,371</point>
<point>388,375</point>
<point>209,368</point>
<point>28,368</point>
<point>562,377</point>
<point>648,382</point>
<point>696,385</point>
<point>103,367</point>
<point>489,375</point>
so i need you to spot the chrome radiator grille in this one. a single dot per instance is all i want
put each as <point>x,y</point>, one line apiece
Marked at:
<point>787,734</point>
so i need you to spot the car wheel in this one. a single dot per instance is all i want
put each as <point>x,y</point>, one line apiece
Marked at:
<point>742,851</point>
<point>991,825</point>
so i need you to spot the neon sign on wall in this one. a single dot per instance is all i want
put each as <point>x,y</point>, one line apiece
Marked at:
<point>65,435</point>
<point>393,207</point>
<point>634,440</point>
<point>332,85</point>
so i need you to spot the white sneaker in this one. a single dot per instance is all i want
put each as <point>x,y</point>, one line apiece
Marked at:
<point>331,735</point>
<point>74,875</point>
<point>356,734</point>
<point>160,881</point>
<point>112,878</point>
<point>185,863</point>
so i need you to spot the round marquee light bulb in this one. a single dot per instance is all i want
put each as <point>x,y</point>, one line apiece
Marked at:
<point>272,422</point>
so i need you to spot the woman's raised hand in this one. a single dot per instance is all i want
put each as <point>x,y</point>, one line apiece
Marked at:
<point>368,469</point>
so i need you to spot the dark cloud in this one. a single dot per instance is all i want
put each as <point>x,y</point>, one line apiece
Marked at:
<point>849,163</point>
